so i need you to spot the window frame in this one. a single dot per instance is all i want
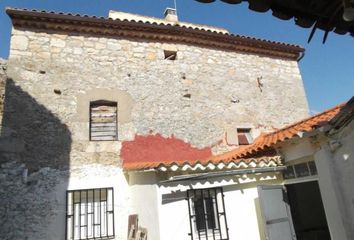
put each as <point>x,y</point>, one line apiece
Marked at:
<point>97,103</point>
<point>219,228</point>
<point>108,214</point>
<point>245,132</point>
<point>170,55</point>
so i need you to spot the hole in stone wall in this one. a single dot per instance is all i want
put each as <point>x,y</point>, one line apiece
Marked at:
<point>170,55</point>
<point>188,95</point>
<point>57,91</point>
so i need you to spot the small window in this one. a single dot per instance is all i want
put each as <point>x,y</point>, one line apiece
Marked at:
<point>289,172</point>
<point>103,121</point>
<point>207,214</point>
<point>244,136</point>
<point>170,55</point>
<point>300,170</point>
<point>90,214</point>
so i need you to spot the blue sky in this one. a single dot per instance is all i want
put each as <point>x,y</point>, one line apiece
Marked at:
<point>327,70</point>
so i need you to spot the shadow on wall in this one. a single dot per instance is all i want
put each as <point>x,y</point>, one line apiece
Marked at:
<point>35,136</point>
<point>31,138</point>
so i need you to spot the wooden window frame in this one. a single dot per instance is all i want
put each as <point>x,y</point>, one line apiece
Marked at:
<point>100,103</point>
<point>170,55</point>
<point>245,133</point>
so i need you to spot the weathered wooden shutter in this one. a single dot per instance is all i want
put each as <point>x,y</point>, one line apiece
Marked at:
<point>244,136</point>
<point>276,213</point>
<point>103,121</point>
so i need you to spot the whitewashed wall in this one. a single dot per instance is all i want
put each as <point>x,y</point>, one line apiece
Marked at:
<point>163,208</point>
<point>144,202</point>
<point>336,179</point>
<point>335,167</point>
<point>100,176</point>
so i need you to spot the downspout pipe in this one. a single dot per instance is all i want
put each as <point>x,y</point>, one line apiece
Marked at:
<point>199,176</point>
<point>301,56</point>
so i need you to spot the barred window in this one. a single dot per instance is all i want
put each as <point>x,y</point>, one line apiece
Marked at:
<point>90,214</point>
<point>103,121</point>
<point>207,214</point>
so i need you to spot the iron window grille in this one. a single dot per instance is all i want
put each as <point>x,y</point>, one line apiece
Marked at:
<point>207,215</point>
<point>103,121</point>
<point>90,214</point>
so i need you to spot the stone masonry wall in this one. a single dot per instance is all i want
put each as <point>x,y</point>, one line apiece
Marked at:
<point>195,98</point>
<point>3,65</point>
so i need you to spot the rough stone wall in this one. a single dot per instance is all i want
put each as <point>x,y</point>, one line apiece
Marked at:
<point>28,205</point>
<point>195,98</point>
<point>3,65</point>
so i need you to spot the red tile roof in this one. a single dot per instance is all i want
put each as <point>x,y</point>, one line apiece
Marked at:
<point>267,141</point>
<point>261,150</point>
<point>267,158</point>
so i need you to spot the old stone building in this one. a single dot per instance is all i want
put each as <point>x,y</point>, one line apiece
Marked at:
<point>93,105</point>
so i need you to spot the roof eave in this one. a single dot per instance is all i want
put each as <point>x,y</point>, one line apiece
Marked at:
<point>153,31</point>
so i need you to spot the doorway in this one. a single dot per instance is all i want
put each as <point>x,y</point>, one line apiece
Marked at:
<point>307,211</point>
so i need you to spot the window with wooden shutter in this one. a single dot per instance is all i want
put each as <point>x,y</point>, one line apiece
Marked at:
<point>244,136</point>
<point>103,121</point>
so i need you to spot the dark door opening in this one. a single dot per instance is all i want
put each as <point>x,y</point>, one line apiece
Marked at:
<point>307,211</point>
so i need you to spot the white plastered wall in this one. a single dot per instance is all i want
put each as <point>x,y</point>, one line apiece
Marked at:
<point>335,164</point>
<point>241,204</point>
<point>335,177</point>
<point>144,202</point>
<point>88,177</point>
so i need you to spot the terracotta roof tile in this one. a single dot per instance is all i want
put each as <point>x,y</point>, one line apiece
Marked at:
<point>266,141</point>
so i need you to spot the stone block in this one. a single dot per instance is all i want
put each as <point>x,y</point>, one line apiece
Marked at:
<point>151,56</point>
<point>54,42</point>
<point>114,46</point>
<point>11,145</point>
<point>19,42</point>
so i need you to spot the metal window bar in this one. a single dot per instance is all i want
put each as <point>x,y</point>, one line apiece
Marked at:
<point>78,213</point>
<point>212,215</point>
<point>217,210</point>
<point>195,215</point>
<point>204,216</point>
<point>223,213</point>
<point>214,224</point>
